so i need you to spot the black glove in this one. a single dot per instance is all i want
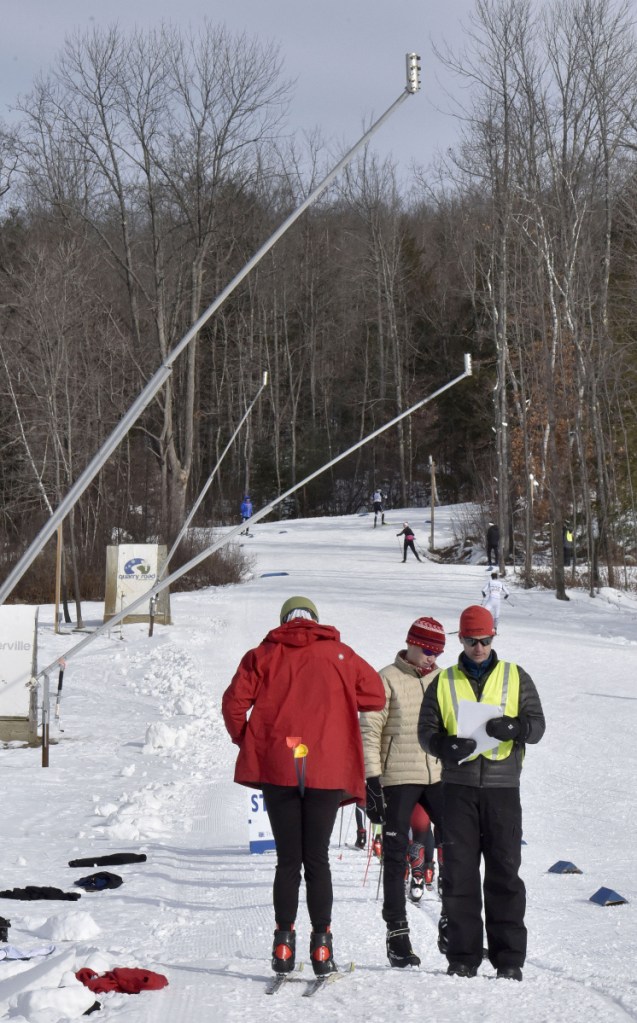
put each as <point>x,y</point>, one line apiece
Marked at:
<point>451,749</point>
<point>375,801</point>
<point>505,728</point>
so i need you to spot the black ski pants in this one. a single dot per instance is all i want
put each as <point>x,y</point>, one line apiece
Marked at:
<point>401,800</point>
<point>483,823</point>
<point>302,827</point>
<point>409,545</point>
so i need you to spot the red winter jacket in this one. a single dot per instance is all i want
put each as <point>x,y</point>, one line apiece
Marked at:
<point>302,683</point>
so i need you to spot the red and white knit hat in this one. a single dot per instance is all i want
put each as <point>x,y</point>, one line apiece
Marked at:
<point>427,633</point>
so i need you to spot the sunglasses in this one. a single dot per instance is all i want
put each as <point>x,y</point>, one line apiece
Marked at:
<point>470,641</point>
<point>429,653</point>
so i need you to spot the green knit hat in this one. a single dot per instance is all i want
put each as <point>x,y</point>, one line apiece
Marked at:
<point>295,603</point>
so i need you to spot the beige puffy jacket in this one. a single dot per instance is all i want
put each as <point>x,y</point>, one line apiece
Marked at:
<point>390,736</point>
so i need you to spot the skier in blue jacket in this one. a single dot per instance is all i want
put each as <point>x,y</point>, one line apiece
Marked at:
<point>246,513</point>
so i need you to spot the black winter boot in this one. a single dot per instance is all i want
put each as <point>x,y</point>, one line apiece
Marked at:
<point>461,970</point>
<point>509,973</point>
<point>321,953</point>
<point>283,951</point>
<point>399,950</point>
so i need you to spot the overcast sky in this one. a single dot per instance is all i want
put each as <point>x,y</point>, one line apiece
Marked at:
<point>347,56</point>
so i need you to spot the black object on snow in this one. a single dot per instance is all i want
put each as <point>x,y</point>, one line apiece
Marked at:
<point>564,867</point>
<point>32,892</point>
<point>4,929</point>
<point>98,882</point>
<point>607,897</point>
<point>112,860</point>
<point>94,1008</point>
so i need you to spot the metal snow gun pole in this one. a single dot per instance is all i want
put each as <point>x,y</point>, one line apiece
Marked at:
<point>232,533</point>
<point>162,374</point>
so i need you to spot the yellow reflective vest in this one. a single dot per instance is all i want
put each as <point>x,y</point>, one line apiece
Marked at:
<point>502,689</point>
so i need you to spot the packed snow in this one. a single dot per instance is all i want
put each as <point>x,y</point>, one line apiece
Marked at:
<point>142,763</point>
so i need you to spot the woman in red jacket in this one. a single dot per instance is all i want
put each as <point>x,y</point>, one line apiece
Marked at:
<point>301,744</point>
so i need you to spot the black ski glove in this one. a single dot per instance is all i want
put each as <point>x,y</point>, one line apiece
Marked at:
<point>505,728</point>
<point>451,749</point>
<point>375,801</point>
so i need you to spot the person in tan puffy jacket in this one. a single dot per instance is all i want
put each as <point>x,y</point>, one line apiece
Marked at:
<point>399,774</point>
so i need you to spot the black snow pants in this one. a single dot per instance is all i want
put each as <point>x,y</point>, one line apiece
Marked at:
<point>302,827</point>
<point>483,823</point>
<point>401,800</point>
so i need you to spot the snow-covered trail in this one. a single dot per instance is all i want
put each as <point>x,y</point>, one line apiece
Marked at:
<point>144,764</point>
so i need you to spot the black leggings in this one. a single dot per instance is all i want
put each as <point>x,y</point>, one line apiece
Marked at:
<point>401,800</point>
<point>409,546</point>
<point>302,827</point>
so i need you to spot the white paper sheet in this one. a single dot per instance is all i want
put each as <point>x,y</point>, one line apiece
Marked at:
<point>472,719</point>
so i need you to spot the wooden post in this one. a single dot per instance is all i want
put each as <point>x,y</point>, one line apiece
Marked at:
<point>58,576</point>
<point>45,721</point>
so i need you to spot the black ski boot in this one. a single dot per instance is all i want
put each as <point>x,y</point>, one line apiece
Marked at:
<point>361,838</point>
<point>416,888</point>
<point>283,951</point>
<point>399,950</point>
<point>321,953</point>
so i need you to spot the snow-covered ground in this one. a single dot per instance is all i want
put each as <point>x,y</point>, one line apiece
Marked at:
<point>144,765</point>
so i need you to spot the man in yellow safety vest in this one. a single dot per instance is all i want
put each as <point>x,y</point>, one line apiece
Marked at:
<point>482,814</point>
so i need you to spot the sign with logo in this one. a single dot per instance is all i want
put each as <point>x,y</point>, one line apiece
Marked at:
<point>261,838</point>
<point>132,569</point>
<point>136,571</point>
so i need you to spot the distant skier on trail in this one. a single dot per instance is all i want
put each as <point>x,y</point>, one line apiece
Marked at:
<point>568,543</point>
<point>377,500</point>
<point>246,513</point>
<point>493,593</point>
<point>292,709</point>
<point>408,543</point>
<point>493,543</point>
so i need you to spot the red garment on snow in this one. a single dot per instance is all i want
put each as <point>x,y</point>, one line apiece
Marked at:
<point>301,682</point>
<point>128,981</point>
